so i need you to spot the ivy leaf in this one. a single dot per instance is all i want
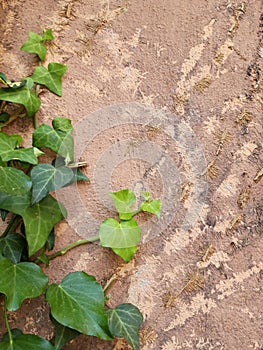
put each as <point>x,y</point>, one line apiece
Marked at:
<point>123,200</point>
<point>146,195</point>
<point>152,206</point>
<point>13,278</point>
<point>14,181</point>
<point>124,322</point>
<point>39,219</point>
<point>78,302</point>
<point>28,342</point>
<point>35,43</point>
<point>23,96</point>
<point>3,214</point>
<point>46,178</point>
<point>58,138</point>
<point>12,246</point>
<point>27,155</point>
<point>15,332</point>
<point>62,334</point>
<point>4,117</point>
<point>50,77</point>
<point>47,35</point>
<point>9,150</point>
<point>50,243</point>
<point>124,234</point>
<point>125,253</point>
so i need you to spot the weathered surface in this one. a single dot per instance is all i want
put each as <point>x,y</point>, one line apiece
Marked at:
<point>201,62</point>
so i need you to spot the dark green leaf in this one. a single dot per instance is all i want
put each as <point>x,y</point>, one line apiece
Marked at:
<point>124,234</point>
<point>3,214</point>
<point>23,96</point>
<point>46,178</point>
<point>51,77</point>
<point>50,241</point>
<point>152,206</point>
<point>20,281</point>
<point>125,253</point>
<point>59,141</point>
<point>14,181</point>
<point>124,322</point>
<point>39,219</point>
<point>35,44</point>
<point>4,117</point>
<point>78,303</point>
<point>12,247</point>
<point>123,200</point>
<point>62,334</point>
<point>15,332</point>
<point>26,342</point>
<point>79,176</point>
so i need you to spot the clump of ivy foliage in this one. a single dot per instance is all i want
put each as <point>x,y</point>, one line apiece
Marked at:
<point>77,304</point>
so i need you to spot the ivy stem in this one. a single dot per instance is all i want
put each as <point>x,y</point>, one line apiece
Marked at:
<point>12,225</point>
<point>71,246</point>
<point>109,282</point>
<point>7,326</point>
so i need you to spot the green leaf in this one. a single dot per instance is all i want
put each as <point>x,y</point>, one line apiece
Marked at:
<point>46,178</point>
<point>14,181</point>
<point>20,281</point>
<point>153,206</point>
<point>62,334</point>
<point>12,247</point>
<point>79,176</point>
<point>27,155</point>
<point>58,138</point>
<point>124,322</point>
<point>50,243</point>
<point>26,341</point>
<point>51,77</point>
<point>15,332</point>
<point>35,44</point>
<point>39,219</point>
<point>146,195</point>
<point>4,117</point>
<point>9,142</point>
<point>23,96</point>
<point>125,253</point>
<point>47,35</point>
<point>124,234</point>
<point>3,214</point>
<point>123,200</point>
<point>78,303</point>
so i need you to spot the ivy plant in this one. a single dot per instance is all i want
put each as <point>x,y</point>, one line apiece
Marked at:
<point>78,302</point>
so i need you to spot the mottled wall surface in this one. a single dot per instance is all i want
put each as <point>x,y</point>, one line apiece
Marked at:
<point>196,64</point>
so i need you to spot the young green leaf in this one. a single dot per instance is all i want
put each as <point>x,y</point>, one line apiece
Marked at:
<point>146,195</point>
<point>12,282</point>
<point>125,253</point>
<point>47,35</point>
<point>12,246</point>
<point>62,334</point>
<point>26,341</point>
<point>123,200</point>
<point>124,234</point>
<point>78,302</point>
<point>35,44</point>
<point>153,206</point>
<point>39,219</point>
<point>23,96</point>
<point>46,178</point>
<point>58,138</point>
<point>51,77</point>
<point>14,181</point>
<point>124,322</point>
